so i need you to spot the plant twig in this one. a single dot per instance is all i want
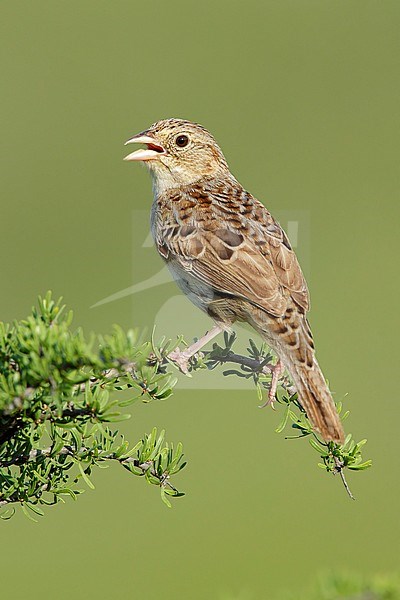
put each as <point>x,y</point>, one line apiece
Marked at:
<point>339,469</point>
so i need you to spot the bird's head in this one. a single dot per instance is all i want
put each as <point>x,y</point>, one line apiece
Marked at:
<point>178,153</point>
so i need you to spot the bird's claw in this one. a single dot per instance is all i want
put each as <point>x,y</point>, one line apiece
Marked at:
<point>270,402</point>
<point>181,359</point>
<point>276,371</point>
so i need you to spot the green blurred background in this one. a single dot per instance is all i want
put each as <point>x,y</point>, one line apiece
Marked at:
<point>303,97</point>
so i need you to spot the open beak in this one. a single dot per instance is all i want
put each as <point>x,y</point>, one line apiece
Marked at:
<point>152,152</point>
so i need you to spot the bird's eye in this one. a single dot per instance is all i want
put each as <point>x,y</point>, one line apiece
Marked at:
<point>182,141</point>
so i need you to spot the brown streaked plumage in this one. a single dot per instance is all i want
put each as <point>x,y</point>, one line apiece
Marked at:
<point>231,257</point>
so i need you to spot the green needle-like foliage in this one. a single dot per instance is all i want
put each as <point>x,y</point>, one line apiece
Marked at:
<point>60,395</point>
<point>56,401</point>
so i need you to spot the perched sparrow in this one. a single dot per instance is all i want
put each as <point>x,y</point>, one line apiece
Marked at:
<point>231,257</point>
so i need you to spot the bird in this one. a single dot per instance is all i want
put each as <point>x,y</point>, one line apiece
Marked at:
<point>231,258</point>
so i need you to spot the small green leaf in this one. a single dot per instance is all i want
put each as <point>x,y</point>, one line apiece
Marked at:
<point>27,514</point>
<point>34,508</point>
<point>85,477</point>
<point>284,421</point>
<point>164,498</point>
<point>316,446</point>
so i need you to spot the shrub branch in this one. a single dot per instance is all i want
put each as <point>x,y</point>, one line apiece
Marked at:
<point>61,394</point>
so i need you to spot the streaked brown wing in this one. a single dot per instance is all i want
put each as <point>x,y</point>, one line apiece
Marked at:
<point>257,265</point>
<point>285,263</point>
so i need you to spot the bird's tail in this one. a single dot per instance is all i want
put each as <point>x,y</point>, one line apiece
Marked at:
<point>316,399</point>
<point>291,338</point>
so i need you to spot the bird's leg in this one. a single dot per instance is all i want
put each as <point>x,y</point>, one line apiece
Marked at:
<point>182,357</point>
<point>276,370</point>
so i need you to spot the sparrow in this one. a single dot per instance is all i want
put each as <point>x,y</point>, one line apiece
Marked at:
<point>231,258</point>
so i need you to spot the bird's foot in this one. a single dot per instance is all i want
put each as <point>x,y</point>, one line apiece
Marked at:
<point>276,370</point>
<point>270,402</point>
<point>181,358</point>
